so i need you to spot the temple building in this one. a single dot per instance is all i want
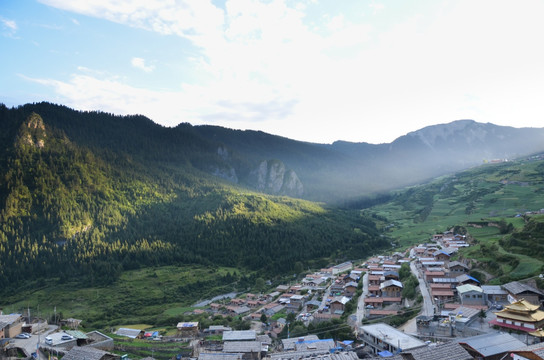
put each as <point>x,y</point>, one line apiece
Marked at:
<point>520,315</point>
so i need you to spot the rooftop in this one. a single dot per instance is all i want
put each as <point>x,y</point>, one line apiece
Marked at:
<point>449,351</point>
<point>392,336</point>
<point>492,343</point>
<point>84,353</point>
<point>467,288</point>
<point>239,335</point>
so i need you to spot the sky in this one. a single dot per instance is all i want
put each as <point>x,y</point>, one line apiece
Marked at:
<point>310,70</point>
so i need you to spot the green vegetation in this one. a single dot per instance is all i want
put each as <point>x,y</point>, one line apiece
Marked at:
<point>488,204</point>
<point>89,196</point>
<point>409,282</point>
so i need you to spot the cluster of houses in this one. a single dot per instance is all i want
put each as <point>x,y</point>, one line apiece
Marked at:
<point>456,292</point>
<point>320,296</point>
<point>384,341</point>
<point>84,345</point>
<point>384,294</point>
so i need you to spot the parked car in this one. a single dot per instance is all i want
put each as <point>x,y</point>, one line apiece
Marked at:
<point>66,337</point>
<point>22,336</point>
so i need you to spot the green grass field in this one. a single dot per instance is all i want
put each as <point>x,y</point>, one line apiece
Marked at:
<point>490,193</point>
<point>155,295</point>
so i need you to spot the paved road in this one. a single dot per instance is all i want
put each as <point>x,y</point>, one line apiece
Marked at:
<point>361,303</point>
<point>30,345</point>
<point>427,309</point>
<point>428,306</point>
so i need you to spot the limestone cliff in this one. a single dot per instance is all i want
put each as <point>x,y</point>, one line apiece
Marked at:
<point>272,177</point>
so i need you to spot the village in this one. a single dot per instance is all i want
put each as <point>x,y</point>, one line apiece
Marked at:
<point>457,316</point>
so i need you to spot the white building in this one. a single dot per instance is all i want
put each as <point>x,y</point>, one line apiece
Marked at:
<point>382,337</point>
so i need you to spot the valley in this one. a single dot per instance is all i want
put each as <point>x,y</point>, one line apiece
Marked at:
<point>132,228</point>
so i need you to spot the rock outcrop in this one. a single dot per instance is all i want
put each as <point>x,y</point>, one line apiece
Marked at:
<point>272,177</point>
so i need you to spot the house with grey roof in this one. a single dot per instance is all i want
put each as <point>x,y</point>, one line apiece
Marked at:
<point>219,356</point>
<point>131,333</point>
<point>251,350</point>
<point>89,353</point>
<point>495,294</point>
<point>467,279</point>
<point>471,295</point>
<point>457,268</point>
<point>391,288</point>
<point>491,346</point>
<point>447,351</point>
<point>10,325</point>
<point>314,355</point>
<point>240,335</point>
<point>308,343</point>
<point>217,329</point>
<point>531,352</point>
<point>350,289</point>
<point>381,337</point>
<point>518,290</point>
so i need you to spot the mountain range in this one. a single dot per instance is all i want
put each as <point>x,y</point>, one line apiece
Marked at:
<point>93,194</point>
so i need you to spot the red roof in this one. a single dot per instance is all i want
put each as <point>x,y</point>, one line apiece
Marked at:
<point>434,273</point>
<point>383,312</point>
<point>373,300</point>
<point>392,299</point>
<point>442,292</point>
<point>440,286</point>
<point>511,326</point>
<point>450,306</point>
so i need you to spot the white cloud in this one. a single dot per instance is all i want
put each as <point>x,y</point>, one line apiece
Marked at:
<point>9,27</point>
<point>139,63</point>
<point>343,78</point>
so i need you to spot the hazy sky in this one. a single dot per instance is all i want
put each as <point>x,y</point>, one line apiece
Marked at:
<point>313,70</point>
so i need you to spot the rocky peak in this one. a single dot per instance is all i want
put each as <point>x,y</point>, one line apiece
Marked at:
<point>32,133</point>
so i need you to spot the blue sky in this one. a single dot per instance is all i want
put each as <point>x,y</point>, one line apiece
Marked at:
<point>320,71</point>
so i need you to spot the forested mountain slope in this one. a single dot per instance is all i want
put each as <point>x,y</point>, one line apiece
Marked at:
<point>88,195</point>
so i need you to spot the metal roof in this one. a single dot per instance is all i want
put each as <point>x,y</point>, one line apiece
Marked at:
<point>392,336</point>
<point>219,356</point>
<point>493,290</point>
<point>467,288</point>
<point>390,283</point>
<point>132,333</point>
<point>239,335</point>
<point>465,277</point>
<point>516,287</point>
<point>492,343</point>
<point>243,347</point>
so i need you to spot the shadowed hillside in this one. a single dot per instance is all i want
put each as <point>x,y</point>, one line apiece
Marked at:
<point>90,195</point>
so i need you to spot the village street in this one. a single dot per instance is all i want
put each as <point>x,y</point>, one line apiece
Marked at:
<point>361,302</point>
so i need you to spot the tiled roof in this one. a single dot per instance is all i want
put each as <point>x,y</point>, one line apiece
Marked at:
<point>314,355</point>
<point>449,351</point>
<point>516,287</point>
<point>84,353</point>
